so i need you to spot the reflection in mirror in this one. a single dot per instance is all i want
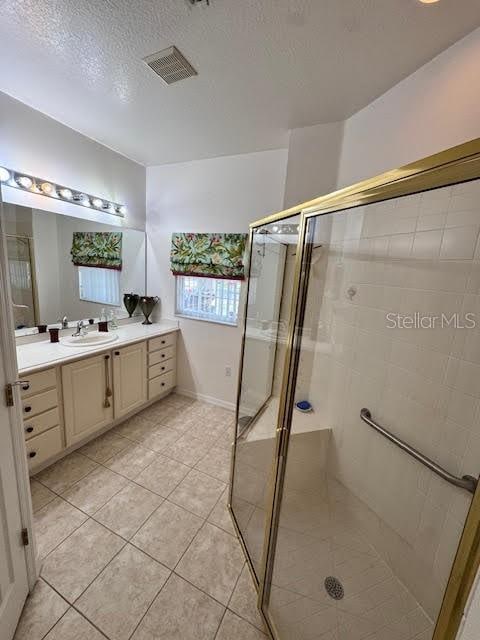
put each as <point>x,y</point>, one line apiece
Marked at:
<point>271,280</point>
<point>53,277</point>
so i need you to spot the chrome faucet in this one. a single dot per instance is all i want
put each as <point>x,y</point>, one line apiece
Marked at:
<point>81,329</point>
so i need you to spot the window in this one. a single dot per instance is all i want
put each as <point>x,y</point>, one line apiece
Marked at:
<point>99,285</point>
<point>208,298</point>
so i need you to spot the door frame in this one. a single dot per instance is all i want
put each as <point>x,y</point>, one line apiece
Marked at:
<point>8,350</point>
<point>452,166</point>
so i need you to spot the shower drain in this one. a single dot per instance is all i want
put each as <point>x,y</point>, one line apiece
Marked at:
<point>334,588</point>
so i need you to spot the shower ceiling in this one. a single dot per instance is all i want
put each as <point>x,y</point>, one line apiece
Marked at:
<point>264,67</point>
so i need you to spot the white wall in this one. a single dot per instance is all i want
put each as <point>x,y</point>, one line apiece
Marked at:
<point>47,267</point>
<point>313,157</point>
<point>216,195</point>
<point>41,146</point>
<point>435,108</point>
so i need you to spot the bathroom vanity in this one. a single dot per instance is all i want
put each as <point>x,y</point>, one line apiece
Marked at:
<point>71,394</point>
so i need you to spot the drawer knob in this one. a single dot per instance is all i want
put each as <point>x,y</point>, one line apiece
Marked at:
<point>163,384</point>
<point>32,454</point>
<point>163,355</point>
<point>27,409</point>
<point>117,353</point>
<point>163,368</point>
<point>29,429</point>
<point>25,387</point>
<point>163,341</point>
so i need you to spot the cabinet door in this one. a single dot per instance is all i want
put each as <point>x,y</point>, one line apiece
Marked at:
<point>85,394</point>
<point>129,378</point>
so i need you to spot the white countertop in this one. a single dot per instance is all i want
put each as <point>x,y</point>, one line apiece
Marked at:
<point>38,355</point>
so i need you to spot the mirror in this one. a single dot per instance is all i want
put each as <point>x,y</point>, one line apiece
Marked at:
<point>51,276</point>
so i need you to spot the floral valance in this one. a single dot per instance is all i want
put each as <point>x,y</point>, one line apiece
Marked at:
<point>102,249</point>
<point>212,255</point>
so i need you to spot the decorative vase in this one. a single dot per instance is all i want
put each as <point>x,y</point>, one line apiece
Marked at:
<point>130,300</point>
<point>147,304</point>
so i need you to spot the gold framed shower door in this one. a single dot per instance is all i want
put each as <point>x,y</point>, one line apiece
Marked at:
<point>456,165</point>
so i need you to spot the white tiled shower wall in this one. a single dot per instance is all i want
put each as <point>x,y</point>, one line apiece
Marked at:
<point>418,254</point>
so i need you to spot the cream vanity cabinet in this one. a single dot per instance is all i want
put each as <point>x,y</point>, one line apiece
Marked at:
<point>129,378</point>
<point>68,404</point>
<point>87,397</point>
<point>41,417</point>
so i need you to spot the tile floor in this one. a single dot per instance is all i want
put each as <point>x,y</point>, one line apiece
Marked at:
<point>135,538</point>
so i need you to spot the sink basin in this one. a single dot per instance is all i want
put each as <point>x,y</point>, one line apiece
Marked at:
<point>90,340</point>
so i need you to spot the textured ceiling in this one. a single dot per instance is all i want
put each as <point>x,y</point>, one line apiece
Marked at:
<point>265,66</point>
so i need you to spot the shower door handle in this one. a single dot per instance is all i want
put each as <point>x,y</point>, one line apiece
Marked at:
<point>469,483</point>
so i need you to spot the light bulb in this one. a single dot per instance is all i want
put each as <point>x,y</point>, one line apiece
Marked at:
<point>97,203</point>
<point>122,210</point>
<point>428,1</point>
<point>84,199</point>
<point>4,174</point>
<point>24,181</point>
<point>66,193</point>
<point>47,188</point>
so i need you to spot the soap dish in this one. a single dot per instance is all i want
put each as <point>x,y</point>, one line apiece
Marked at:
<point>304,406</point>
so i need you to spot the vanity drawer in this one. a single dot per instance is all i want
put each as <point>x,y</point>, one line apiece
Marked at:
<point>34,405</point>
<point>159,356</point>
<point>161,384</point>
<point>161,342</point>
<point>38,424</point>
<point>38,382</point>
<point>160,368</point>
<point>43,447</point>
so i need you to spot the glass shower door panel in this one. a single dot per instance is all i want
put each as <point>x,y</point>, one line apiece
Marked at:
<point>367,534</point>
<point>21,272</point>
<point>271,273</point>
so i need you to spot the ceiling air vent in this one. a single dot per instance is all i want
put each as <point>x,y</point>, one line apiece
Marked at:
<point>170,65</point>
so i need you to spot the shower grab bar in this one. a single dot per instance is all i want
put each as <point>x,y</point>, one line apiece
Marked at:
<point>469,483</point>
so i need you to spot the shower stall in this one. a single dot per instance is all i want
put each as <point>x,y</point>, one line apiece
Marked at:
<point>360,518</point>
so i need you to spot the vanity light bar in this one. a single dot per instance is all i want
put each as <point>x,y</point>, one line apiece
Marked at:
<point>43,187</point>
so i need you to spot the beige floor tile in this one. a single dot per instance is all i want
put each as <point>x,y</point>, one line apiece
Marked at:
<point>116,601</point>
<point>91,493</point>
<point>188,450</point>
<point>244,600</point>
<point>213,562</point>
<point>80,558</point>
<point>73,626</point>
<point>40,495</point>
<point>55,522</point>
<point>201,429</point>
<point>66,472</point>
<point>104,447</point>
<point>220,515</point>
<point>163,475</point>
<point>198,493</point>
<point>234,628</point>
<point>216,462</point>
<point>167,533</point>
<point>161,438</point>
<point>226,437</point>
<point>135,429</point>
<point>157,412</point>
<point>131,461</point>
<point>180,612</point>
<point>41,611</point>
<point>127,511</point>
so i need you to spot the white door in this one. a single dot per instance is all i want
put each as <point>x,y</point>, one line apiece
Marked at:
<point>15,506</point>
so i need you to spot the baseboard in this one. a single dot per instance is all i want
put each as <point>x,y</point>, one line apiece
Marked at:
<point>205,398</point>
